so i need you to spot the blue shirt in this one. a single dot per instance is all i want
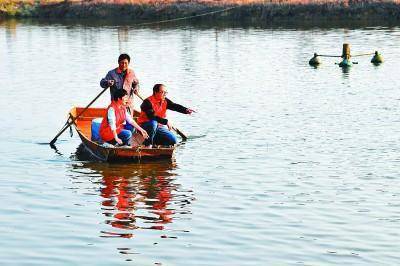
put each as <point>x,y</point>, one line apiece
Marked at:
<point>119,81</point>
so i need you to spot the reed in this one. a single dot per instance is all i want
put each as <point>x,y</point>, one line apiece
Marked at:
<point>252,10</point>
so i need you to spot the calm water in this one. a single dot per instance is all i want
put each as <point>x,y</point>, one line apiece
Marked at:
<point>286,164</point>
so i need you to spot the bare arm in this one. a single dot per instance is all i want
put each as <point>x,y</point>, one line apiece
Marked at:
<point>131,121</point>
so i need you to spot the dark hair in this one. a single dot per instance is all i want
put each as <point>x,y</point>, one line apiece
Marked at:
<point>124,56</point>
<point>119,94</point>
<point>157,88</point>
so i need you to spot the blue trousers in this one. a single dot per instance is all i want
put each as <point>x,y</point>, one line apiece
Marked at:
<point>125,135</point>
<point>158,135</point>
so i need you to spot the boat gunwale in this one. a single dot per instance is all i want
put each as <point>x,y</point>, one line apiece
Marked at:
<point>136,153</point>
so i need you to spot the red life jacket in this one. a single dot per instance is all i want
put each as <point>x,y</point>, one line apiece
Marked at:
<point>106,133</point>
<point>159,107</point>
<point>129,78</point>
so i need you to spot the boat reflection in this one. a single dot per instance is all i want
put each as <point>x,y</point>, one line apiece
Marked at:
<point>129,199</point>
<point>138,196</point>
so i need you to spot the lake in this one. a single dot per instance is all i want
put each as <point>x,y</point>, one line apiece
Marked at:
<point>286,164</point>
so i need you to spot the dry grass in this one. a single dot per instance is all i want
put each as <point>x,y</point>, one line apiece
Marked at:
<point>215,2</point>
<point>212,2</point>
<point>166,9</point>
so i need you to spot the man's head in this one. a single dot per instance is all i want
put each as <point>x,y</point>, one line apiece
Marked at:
<point>123,62</point>
<point>120,95</point>
<point>159,91</point>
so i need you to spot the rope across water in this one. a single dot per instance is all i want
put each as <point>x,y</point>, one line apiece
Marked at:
<point>188,17</point>
<point>325,55</point>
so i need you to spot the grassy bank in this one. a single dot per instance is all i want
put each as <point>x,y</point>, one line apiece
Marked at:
<point>247,10</point>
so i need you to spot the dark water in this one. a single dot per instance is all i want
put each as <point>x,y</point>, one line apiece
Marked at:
<point>285,165</point>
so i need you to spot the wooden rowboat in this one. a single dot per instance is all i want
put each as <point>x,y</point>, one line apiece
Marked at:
<point>108,152</point>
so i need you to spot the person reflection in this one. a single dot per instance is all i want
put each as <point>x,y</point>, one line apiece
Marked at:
<point>159,188</point>
<point>118,195</point>
<point>136,196</point>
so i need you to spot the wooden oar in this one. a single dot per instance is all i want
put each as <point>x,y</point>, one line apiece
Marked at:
<point>183,136</point>
<point>71,121</point>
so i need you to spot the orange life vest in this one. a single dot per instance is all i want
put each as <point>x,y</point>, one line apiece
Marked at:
<point>159,107</point>
<point>129,78</point>
<point>106,133</point>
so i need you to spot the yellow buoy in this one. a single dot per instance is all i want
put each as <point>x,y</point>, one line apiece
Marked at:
<point>377,59</point>
<point>314,61</point>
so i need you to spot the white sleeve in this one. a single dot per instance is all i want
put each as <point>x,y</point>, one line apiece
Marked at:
<point>129,119</point>
<point>111,118</point>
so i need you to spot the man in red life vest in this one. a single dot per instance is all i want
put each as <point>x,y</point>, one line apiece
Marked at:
<point>153,117</point>
<point>120,78</point>
<point>117,124</point>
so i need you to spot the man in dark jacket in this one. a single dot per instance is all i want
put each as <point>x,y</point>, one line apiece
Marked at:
<point>153,117</point>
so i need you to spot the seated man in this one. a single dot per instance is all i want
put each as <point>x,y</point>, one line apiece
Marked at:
<point>153,117</point>
<point>117,124</point>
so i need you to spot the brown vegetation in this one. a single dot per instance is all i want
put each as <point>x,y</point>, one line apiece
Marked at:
<point>254,10</point>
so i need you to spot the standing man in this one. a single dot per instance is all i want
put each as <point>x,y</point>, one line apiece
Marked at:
<point>120,78</point>
<point>153,115</point>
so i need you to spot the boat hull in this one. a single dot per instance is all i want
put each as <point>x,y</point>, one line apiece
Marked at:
<point>113,154</point>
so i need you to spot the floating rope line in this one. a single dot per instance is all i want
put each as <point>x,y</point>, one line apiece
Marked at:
<point>188,17</point>
<point>346,55</point>
<point>325,55</point>
<point>362,54</point>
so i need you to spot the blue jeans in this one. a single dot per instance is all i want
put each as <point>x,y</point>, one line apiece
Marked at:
<point>125,135</point>
<point>158,135</point>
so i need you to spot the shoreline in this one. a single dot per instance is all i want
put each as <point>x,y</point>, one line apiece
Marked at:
<point>251,13</point>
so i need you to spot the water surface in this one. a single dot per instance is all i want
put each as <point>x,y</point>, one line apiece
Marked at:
<point>286,164</point>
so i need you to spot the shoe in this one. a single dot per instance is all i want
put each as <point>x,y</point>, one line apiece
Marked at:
<point>107,145</point>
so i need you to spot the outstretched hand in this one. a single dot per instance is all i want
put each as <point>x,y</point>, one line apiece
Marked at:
<point>190,111</point>
<point>118,140</point>
<point>144,133</point>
